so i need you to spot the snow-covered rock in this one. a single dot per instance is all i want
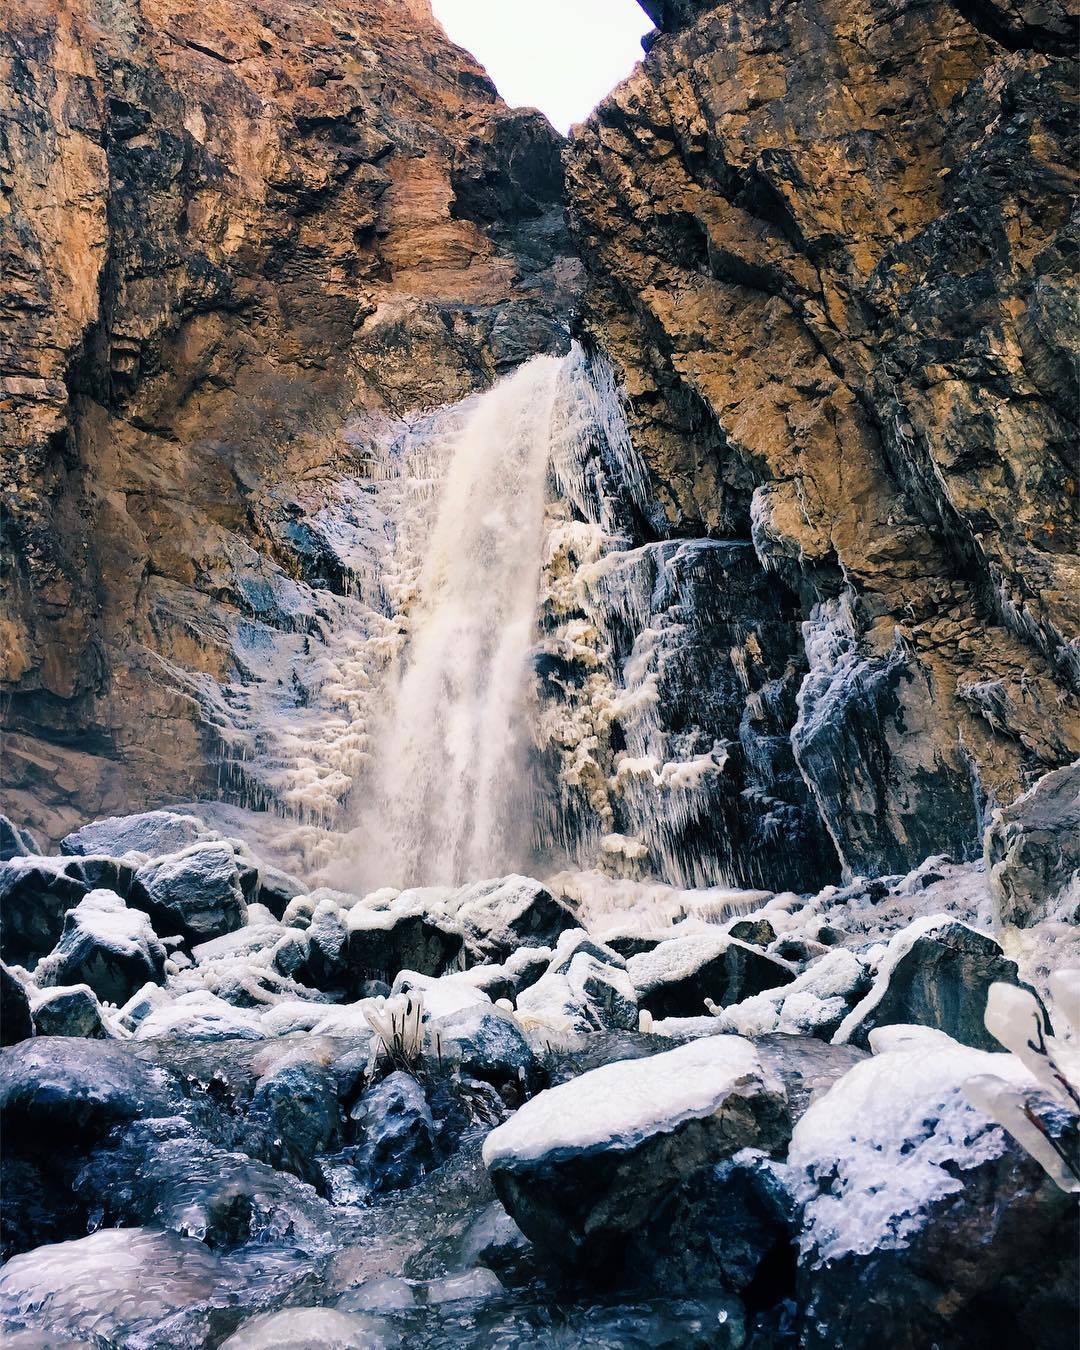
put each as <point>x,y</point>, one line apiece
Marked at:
<point>402,936</point>
<point>582,1165</point>
<point>909,1191</point>
<point>502,915</point>
<point>444,995</point>
<point>935,973</point>
<point>107,946</point>
<point>814,1004</point>
<point>15,842</point>
<point>195,893</point>
<point>676,978</point>
<point>35,894</point>
<point>68,1010</point>
<point>1032,850</point>
<point>149,834</point>
<point>485,1042</point>
<point>200,1015</point>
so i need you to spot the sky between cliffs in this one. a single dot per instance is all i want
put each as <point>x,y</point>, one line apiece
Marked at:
<point>561,56</point>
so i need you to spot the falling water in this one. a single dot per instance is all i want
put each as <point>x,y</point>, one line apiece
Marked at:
<point>448,798</point>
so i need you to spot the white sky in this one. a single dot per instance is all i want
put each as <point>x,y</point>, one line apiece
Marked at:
<point>561,56</point>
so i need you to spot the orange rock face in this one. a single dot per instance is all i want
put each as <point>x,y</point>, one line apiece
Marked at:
<point>829,248</point>
<point>227,227</point>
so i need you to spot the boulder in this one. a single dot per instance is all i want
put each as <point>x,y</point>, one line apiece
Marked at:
<point>813,1004</point>
<point>936,973</point>
<point>395,1133</point>
<point>582,1166</point>
<point>58,1090</point>
<point>922,1221</point>
<point>16,1022</point>
<point>195,893</point>
<point>107,946</point>
<point>605,990</point>
<point>69,1010</point>
<point>149,833</point>
<point>297,1105</point>
<point>312,1329</point>
<point>1032,851</point>
<point>35,894</point>
<point>385,941</point>
<point>502,915</point>
<point>15,842</point>
<point>675,978</point>
<point>484,1042</point>
<point>325,962</point>
<point>276,889</point>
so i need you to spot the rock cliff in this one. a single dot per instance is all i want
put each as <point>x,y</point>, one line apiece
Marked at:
<point>830,250</point>
<point>227,229</point>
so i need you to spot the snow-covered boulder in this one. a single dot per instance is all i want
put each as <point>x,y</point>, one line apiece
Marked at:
<point>502,915</point>
<point>200,1015</point>
<point>922,1221</point>
<point>107,946</point>
<point>15,842</point>
<point>814,1004</point>
<point>196,893</point>
<point>576,942</point>
<point>606,991</point>
<point>149,834</point>
<point>935,973</point>
<point>676,978</point>
<point>400,937</point>
<point>442,995</point>
<point>581,1166</point>
<point>68,1010</point>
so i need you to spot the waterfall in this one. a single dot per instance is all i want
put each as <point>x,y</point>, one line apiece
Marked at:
<point>448,797</point>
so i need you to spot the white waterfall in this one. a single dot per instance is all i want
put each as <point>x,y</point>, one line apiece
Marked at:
<point>447,798</point>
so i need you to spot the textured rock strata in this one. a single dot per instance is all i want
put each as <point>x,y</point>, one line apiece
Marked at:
<point>829,249</point>
<point>227,228</point>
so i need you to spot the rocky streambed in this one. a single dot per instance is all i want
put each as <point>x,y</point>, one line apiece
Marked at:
<point>237,1112</point>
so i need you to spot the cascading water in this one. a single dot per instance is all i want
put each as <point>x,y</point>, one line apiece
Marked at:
<point>448,801</point>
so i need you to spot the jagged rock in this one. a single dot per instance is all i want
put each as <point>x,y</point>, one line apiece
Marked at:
<point>796,376</point>
<point>16,1023</point>
<point>396,1133</point>
<point>581,1166</point>
<point>923,1222</point>
<point>149,833</point>
<point>576,942</point>
<point>195,893</point>
<point>756,932</point>
<point>485,1043</point>
<point>675,978</point>
<point>107,946</point>
<point>15,842</point>
<point>70,1010</point>
<point>606,990</point>
<point>1032,852</point>
<point>56,1089</point>
<point>501,916</point>
<point>935,973</point>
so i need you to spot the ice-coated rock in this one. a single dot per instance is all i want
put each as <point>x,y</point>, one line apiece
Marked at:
<point>16,1023</point>
<point>298,1102</point>
<point>107,946</point>
<point>935,973</point>
<point>15,842</point>
<point>395,1133</point>
<point>148,834</point>
<point>312,1329</point>
<point>502,915</point>
<point>581,1166</point>
<point>606,991</point>
<point>675,978</point>
<point>1032,850</point>
<point>814,1004</point>
<point>55,1091</point>
<point>107,1287</point>
<point>195,893</point>
<point>69,1010</point>
<point>485,1042</point>
<point>922,1221</point>
<point>576,942</point>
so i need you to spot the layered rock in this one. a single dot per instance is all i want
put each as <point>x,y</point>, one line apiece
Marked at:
<point>229,229</point>
<point>827,249</point>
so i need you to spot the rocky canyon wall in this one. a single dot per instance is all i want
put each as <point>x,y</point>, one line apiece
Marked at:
<point>228,229</point>
<point>830,248</point>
